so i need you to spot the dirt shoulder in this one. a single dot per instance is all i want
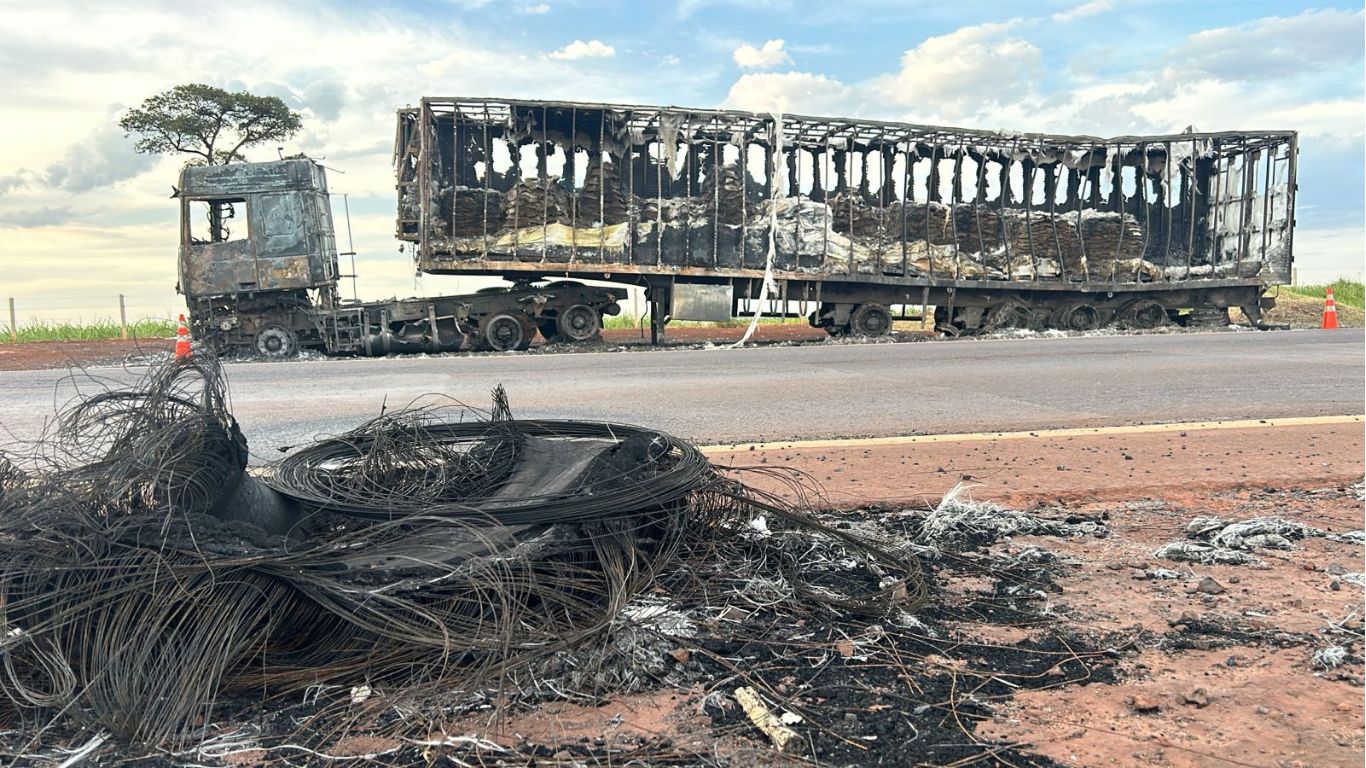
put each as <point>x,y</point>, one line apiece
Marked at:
<point>1071,468</point>
<point>1158,662</point>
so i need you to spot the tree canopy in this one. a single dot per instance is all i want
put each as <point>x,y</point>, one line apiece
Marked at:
<point>211,123</point>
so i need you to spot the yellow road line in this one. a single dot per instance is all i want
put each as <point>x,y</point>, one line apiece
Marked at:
<point>1190,426</point>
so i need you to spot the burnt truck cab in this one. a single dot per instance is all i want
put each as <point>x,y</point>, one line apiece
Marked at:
<point>258,254</point>
<point>258,269</point>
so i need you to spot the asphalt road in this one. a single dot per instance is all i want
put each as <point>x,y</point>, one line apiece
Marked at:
<point>812,391</point>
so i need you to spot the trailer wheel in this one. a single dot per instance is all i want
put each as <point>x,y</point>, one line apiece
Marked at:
<point>1141,314</point>
<point>276,341</point>
<point>1011,314</point>
<point>578,323</point>
<point>1077,317</point>
<point>870,320</point>
<point>505,332</point>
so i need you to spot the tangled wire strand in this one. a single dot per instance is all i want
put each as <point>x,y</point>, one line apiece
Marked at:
<point>147,577</point>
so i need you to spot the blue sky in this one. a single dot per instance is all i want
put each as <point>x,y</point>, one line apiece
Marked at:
<point>82,217</point>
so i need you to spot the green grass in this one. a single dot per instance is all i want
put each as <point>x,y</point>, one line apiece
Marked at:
<point>1346,292</point>
<point>96,330</point>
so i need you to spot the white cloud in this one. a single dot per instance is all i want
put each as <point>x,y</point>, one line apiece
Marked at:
<point>593,49</point>
<point>1082,11</point>
<point>536,10</point>
<point>60,128</point>
<point>1218,105</point>
<point>789,92</point>
<point>768,56</point>
<point>959,75</point>
<point>1274,47</point>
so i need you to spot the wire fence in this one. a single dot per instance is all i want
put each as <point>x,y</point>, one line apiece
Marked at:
<point>69,318</point>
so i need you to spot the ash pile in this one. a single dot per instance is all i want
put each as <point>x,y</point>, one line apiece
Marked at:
<point>153,586</point>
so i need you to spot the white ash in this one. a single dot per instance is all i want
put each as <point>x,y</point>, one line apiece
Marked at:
<point>1216,541</point>
<point>1236,535</point>
<point>1330,657</point>
<point>907,620</point>
<point>958,518</point>
<point>660,616</point>
<point>1348,537</point>
<point>1204,554</point>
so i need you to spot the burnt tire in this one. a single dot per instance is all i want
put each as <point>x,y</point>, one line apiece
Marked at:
<point>1076,317</point>
<point>871,320</point>
<point>276,342</point>
<point>504,333</point>
<point>578,323</point>
<point>548,330</point>
<point>1011,314</point>
<point>1141,315</point>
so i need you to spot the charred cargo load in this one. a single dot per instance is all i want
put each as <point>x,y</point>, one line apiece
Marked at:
<point>846,218</point>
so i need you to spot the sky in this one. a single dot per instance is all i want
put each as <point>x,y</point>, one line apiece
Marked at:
<point>83,218</point>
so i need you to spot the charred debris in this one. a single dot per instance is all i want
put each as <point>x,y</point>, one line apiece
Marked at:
<point>165,603</point>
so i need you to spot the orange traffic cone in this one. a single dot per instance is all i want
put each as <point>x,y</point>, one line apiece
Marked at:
<point>182,341</point>
<point>1330,311</point>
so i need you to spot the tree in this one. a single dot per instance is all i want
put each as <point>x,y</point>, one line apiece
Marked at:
<point>202,120</point>
<point>211,123</point>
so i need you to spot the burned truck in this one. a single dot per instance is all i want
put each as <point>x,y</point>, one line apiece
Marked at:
<point>258,267</point>
<point>850,223</point>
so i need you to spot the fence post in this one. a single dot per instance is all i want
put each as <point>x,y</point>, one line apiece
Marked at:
<point>1294,277</point>
<point>13,326</point>
<point>123,319</point>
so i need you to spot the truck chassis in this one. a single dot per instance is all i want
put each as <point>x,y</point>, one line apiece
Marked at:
<point>281,323</point>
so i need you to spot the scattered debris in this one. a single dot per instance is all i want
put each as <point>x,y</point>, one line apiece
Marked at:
<point>1329,658</point>
<point>148,577</point>
<point>1196,698</point>
<point>784,739</point>
<point>1209,586</point>
<point>1204,554</point>
<point>1215,541</point>
<point>1144,704</point>
<point>958,520</point>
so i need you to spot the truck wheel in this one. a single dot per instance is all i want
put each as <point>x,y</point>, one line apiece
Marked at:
<point>578,323</point>
<point>1141,314</point>
<point>1077,317</point>
<point>505,332</point>
<point>1011,314</point>
<point>870,320</point>
<point>276,341</point>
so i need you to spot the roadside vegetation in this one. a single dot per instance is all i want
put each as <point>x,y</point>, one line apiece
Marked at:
<point>1301,306</point>
<point>96,330</point>
<point>1345,292</point>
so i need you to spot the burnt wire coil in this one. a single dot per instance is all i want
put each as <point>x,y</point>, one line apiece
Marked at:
<point>145,575</point>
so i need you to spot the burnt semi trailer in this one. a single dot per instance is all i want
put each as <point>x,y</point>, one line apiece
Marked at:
<point>259,270</point>
<point>852,223</point>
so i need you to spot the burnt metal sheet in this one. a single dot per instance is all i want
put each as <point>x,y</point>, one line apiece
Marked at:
<point>198,181</point>
<point>696,301</point>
